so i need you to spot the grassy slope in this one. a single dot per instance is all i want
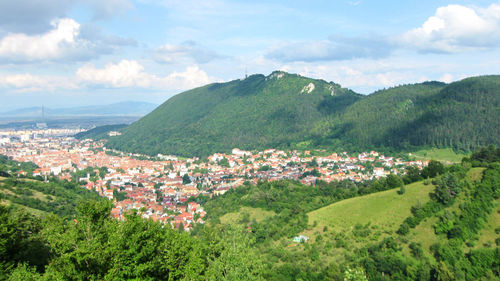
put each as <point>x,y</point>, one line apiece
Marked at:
<point>255,213</point>
<point>424,233</point>
<point>446,155</point>
<point>51,198</point>
<point>35,212</point>
<point>36,194</point>
<point>487,236</point>
<point>384,209</point>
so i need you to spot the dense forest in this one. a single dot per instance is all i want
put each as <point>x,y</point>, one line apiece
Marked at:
<point>290,111</point>
<point>94,246</point>
<point>257,112</point>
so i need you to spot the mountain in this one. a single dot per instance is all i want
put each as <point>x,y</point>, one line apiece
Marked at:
<point>463,115</point>
<point>256,112</point>
<point>100,132</point>
<point>128,108</point>
<point>290,111</point>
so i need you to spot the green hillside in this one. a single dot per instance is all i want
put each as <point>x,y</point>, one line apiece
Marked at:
<point>440,228</point>
<point>257,112</point>
<point>290,111</point>
<point>463,115</point>
<point>100,132</point>
<point>386,209</point>
<point>446,155</point>
<point>36,196</point>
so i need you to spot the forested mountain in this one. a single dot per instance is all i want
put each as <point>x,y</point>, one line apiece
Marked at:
<point>257,112</point>
<point>100,132</point>
<point>463,115</point>
<point>290,111</point>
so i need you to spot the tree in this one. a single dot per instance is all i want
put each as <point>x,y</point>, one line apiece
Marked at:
<point>119,196</point>
<point>394,181</point>
<point>237,260</point>
<point>354,274</point>
<point>433,169</point>
<point>224,162</point>
<point>186,179</point>
<point>412,174</point>
<point>442,272</point>
<point>402,190</point>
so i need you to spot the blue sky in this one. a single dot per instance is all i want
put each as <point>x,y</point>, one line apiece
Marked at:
<point>79,52</point>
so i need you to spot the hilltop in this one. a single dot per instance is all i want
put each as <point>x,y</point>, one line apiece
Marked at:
<point>254,113</point>
<point>290,111</point>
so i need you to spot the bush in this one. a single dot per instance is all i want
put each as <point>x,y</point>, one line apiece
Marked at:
<point>402,190</point>
<point>497,230</point>
<point>404,229</point>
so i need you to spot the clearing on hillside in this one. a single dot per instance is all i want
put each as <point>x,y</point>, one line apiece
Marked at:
<point>446,155</point>
<point>253,213</point>
<point>386,209</point>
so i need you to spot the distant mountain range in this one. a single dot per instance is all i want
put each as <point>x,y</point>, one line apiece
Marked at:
<point>285,110</point>
<point>128,108</point>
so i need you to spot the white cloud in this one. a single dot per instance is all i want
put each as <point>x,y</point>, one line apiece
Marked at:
<point>39,47</point>
<point>130,73</point>
<point>27,82</point>
<point>446,78</point>
<point>125,74</point>
<point>21,81</point>
<point>456,28</point>
<point>65,42</point>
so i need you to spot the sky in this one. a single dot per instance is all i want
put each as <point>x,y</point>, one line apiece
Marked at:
<point>63,53</point>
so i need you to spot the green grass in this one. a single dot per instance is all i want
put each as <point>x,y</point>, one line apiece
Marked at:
<point>424,232</point>
<point>475,174</point>
<point>35,193</point>
<point>385,210</point>
<point>487,235</point>
<point>33,211</point>
<point>254,213</point>
<point>446,155</point>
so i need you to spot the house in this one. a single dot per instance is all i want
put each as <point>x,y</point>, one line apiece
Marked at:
<point>300,239</point>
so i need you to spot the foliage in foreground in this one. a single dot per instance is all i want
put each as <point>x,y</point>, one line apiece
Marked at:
<point>94,246</point>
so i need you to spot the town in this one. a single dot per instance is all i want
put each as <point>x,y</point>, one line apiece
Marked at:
<point>164,188</point>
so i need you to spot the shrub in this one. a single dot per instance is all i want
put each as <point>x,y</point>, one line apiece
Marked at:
<point>401,190</point>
